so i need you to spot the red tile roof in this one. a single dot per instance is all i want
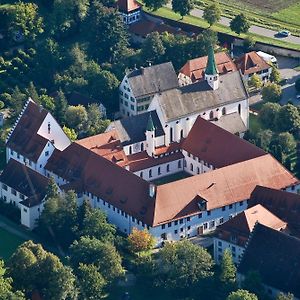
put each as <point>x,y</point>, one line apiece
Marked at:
<point>205,140</point>
<point>283,204</point>
<point>24,138</point>
<point>251,63</point>
<point>220,187</point>
<point>128,5</point>
<point>195,68</point>
<point>242,225</point>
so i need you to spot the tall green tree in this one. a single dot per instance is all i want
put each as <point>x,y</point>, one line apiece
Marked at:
<point>271,92</point>
<point>90,281</point>
<point>155,4</point>
<point>103,255</point>
<point>76,117</point>
<point>264,138</point>
<point>153,49</point>
<point>52,188</point>
<point>61,106</point>
<point>212,14</point>
<point>107,33</point>
<point>287,142</point>
<point>183,264</point>
<point>268,113</point>
<point>275,75</point>
<point>288,118</point>
<point>228,269</point>
<point>183,7</point>
<point>242,295</point>
<point>240,24</point>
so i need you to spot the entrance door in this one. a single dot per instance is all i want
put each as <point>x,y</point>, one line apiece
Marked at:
<point>200,230</point>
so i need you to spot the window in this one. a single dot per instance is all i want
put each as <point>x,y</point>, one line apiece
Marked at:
<point>233,249</point>
<point>168,168</point>
<point>14,192</point>
<point>25,210</point>
<point>4,186</point>
<point>208,212</point>
<point>150,173</point>
<point>223,208</point>
<point>241,203</point>
<point>126,96</point>
<point>171,134</point>
<point>181,229</point>
<point>22,197</point>
<point>192,167</point>
<point>47,153</point>
<point>179,164</point>
<point>224,111</point>
<point>181,134</point>
<point>211,115</point>
<point>189,227</point>
<point>204,225</point>
<point>158,171</point>
<point>132,99</point>
<point>176,231</point>
<point>18,155</point>
<point>163,226</point>
<point>188,219</point>
<point>181,221</point>
<point>220,243</point>
<point>130,150</point>
<point>141,174</point>
<point>198,170</point>
<point>176,223</point>
<point>200,216</point>
<point>170,224</point>
<point>132,107</point>
<point>212,224</point>
<point>163,236</point>
<point>11,152</point>
<point>230,206</point>
<point>126,103</point>
<point>239,109</point>
<point>221,221</point>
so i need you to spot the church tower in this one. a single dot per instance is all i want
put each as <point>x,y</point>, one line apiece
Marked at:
<point>150,136</point>
<point>211,71</point>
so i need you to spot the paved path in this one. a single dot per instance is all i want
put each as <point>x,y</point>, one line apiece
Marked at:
<point>253,29</point>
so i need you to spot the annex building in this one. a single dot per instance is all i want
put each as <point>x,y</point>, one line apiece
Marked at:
<point>179,169</point>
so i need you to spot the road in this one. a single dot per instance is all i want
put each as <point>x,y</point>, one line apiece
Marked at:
<point>196,12</point>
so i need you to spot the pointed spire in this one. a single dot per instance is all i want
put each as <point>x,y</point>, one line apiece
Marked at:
<point>150,124</point>
<point>211,68</point>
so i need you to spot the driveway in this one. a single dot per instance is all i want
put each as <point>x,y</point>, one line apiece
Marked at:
<point>253,29</point>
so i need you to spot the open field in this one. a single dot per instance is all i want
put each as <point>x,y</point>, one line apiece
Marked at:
<point>169,14</point>
<point>271,14</point>
<point>8,243</point>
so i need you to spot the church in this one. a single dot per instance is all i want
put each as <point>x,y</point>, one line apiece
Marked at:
<point>179,169</point>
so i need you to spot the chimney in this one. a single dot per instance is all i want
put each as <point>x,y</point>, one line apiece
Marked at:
<point>152,190</point>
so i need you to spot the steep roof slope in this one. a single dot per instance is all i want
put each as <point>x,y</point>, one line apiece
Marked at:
<point>150,80</point>
<point>276,256</point>
<point>205,140</point>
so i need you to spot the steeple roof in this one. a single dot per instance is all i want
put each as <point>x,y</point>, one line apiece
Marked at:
<point>150,124</point>
<point>211,68</point>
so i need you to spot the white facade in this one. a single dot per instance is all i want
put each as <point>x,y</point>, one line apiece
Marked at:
<point>30,215</point>
<point>131,17</point>
<point>10,195</point>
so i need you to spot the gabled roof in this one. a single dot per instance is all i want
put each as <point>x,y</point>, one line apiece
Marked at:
<point>244,222</point>
<point>219,187</point>
<point>154,79</point>
<point>127,6</point>
<point>283,204</point>
<point>276,256</point>
<point>231,122</point>
<point>195,68</point>
<point>199,96</point>
<point>25,180</point>
<point>105,180</point>
<point>132,130</point>
<point>205,140</point>
<point>24,138</point>
<point>251,63</point>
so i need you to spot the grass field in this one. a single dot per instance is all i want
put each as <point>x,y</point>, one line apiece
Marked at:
<point>8,243</point>
<point>168,13</point>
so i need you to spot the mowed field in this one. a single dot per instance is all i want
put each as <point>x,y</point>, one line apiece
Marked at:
<point>8,243</point>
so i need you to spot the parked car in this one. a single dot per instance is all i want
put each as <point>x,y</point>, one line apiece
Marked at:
<point>284,33</point>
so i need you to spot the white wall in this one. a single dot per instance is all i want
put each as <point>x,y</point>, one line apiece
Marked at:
<point>194,165</point>
<point>30,215</point>
<point>11,195</point>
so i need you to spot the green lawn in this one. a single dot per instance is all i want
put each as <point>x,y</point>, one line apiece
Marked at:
<point>8,243</point>
<point>171,178</point>
<point>290,14</point>
<point>169,14</point>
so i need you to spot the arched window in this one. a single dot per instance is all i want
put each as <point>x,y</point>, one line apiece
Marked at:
<point>171,134</point>
<point>158,171</point>
<point>142,146</point>
<point>179,164</point>
<point>211,115</point>
<point>181,134</point>
<point>198,170</point>
<point>150,173</point>
<point>191,167</point>
<point>224,111</point>
<point>239,108</point>
<point>168,168</point>
<point>130,150</point>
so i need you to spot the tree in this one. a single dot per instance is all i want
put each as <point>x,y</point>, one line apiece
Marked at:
<point>288,118</point>
<point>70,132</point>
<point>212,14</point>
<point>287,142</point>
<point>107,33</point>
<point>103,255</point>
<point>275,75</point>
<point>255,81</point>
<point>155,4</point>
<point>241,295</point>
<point>239,24</point>
<point>76,117</point>
<point>268,113</point>
<point>253,284</point>
<point>140,240</point>
<point>26,20</point>
<point>6,290</point>
<point>271,92</point>
<point>228,269</point>
<point>297,85</point>
<point>32,92</point>
<point>248,43</point>
<point>282,296</point>
<point>61,106</point>
<point>183,7</point>
<point>153,49</point>
<point>52,189</point>
<point>47,102</point>
<point>183,264</point>
<point>91,282</point>
<point>264,138</point>
<point>33,268</point>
